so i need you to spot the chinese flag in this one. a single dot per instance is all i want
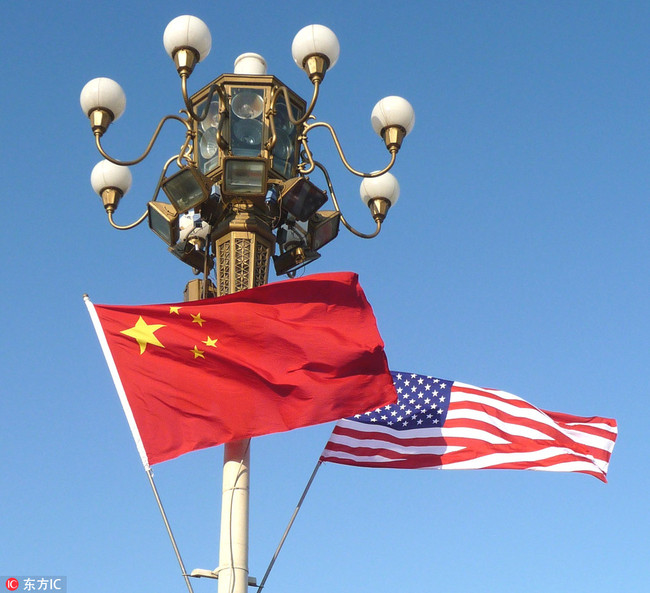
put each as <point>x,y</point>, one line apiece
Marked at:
<point>281,356</point>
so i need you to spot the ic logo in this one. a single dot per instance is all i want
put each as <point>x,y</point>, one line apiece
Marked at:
<point>12,584</point>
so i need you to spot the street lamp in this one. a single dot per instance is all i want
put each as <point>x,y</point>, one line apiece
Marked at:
<point>238,188</point>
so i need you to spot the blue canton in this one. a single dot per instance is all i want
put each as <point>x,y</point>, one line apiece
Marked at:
<point>422,402</point>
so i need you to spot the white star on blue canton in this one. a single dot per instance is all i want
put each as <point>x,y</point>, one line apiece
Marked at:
<point>415,406</point>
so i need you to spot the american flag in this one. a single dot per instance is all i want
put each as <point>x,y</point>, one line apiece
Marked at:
<point>440,424</point>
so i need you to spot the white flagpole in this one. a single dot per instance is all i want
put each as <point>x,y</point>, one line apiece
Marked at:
<point>118,382</point>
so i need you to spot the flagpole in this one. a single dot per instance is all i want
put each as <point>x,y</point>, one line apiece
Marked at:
<point>169,529</point>
<point>286,531</point>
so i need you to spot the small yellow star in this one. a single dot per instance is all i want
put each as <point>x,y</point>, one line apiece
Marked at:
<point>198,319</point>
<point>174,310</point>
<point>197,353</point>
<point>210,342</point>
<point>143,334</point>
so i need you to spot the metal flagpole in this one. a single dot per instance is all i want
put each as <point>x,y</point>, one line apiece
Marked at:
<point>286,531</point>
<point>169,530</point>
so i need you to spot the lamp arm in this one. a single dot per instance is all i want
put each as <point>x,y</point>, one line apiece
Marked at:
<point>140,220</point>
<point>283,89</point>
<point>126,227</point>
<point>287,100</point>
<point>306,155</point>
<point>270,143</point>
<point>223,116</point>
<point>319,124</point>
<point>206,108</point>
<point>149,147</point>
<point>346,224</point>
<point>185,153</point>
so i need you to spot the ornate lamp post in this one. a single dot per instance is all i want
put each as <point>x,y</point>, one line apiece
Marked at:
<point>239,195</point>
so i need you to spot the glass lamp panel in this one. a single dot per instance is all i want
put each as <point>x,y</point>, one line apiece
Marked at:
<point>207,149</point>
<point>247,121</point>
<point>323,228</point>
<point>285,151</point>
<point>282,121</point>
<point>163,220</point>
<point>302,198</point>
<point>245,177</point>
<point>208,146</point>
<point>247,103</point>
<point>185,190</point>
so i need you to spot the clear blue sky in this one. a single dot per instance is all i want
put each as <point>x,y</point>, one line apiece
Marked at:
<point>517,258</point>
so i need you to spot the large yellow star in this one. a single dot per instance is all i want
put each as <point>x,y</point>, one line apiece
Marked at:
<point>143,334</point>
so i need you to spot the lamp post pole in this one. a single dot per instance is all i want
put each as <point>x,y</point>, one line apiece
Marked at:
<point>233,543</point>
<point>242,243</point>
<point>242,246</point>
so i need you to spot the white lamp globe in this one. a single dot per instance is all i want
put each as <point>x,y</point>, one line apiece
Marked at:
<point>109,175</point>
<point>392,111</point>
<point>187,32</point>
<point>103,93</point>
<point>384,186</point>
<point>315,39</point>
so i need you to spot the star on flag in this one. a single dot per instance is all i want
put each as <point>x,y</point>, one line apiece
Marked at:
<point>145,333</point>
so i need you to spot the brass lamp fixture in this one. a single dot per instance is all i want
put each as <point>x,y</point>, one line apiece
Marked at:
<point>241,193</point>
<point>244,169</point>
<point>379,194</point>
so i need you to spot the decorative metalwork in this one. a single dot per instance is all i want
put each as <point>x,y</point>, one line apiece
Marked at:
<point>223,266</point>
<point>244,147</point>
<point>242,267</point>
<point>261,268</point>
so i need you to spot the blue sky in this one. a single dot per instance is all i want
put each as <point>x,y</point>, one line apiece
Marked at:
<point>516,258</point>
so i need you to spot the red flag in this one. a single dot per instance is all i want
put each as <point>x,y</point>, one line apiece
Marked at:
<point>281,356</point>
